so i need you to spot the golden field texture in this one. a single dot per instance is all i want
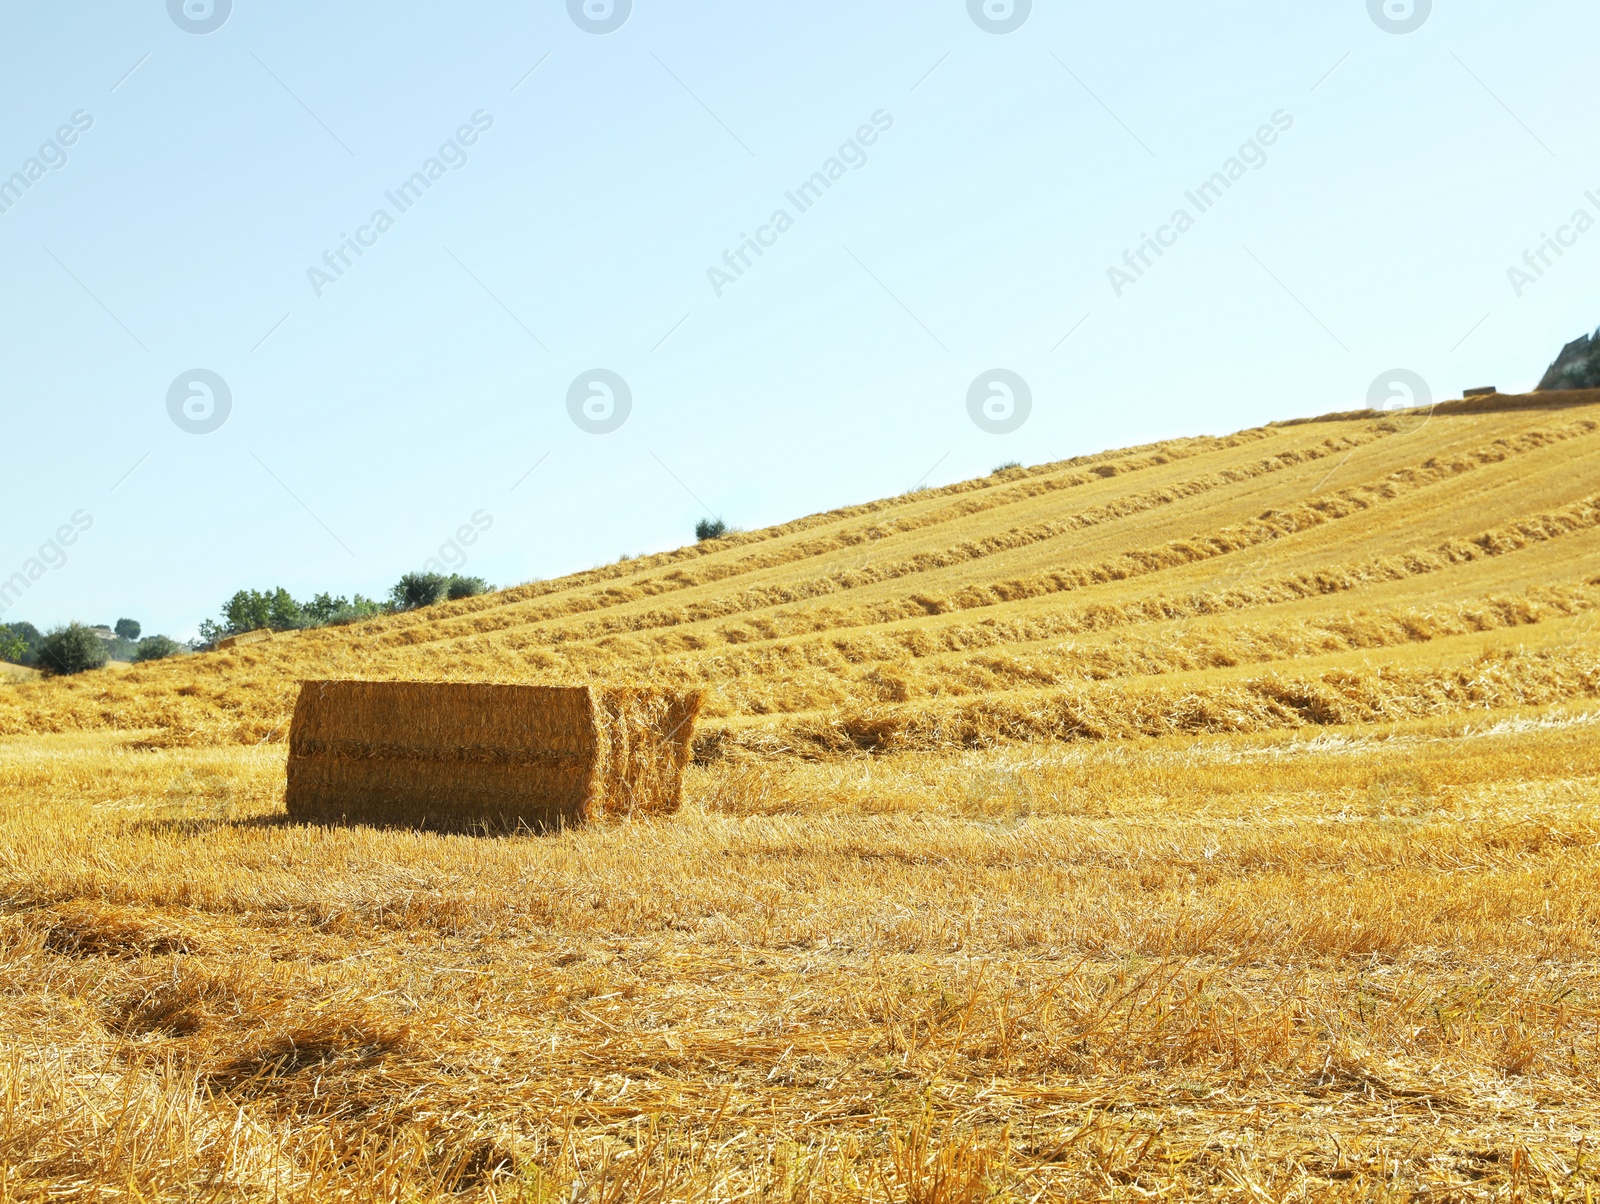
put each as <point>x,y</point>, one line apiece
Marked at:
<point>1217,818</point>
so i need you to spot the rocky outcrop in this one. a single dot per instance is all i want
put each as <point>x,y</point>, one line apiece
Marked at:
<point>1577,367</point>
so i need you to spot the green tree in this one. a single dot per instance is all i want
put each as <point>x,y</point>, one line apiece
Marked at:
<point>325,610</point>
<point>710,528</point>
<point>29,637</point>
<point>128,629</point>
<point>251,610</point>
<point>416,590</point>
<point>283,612</point>
<point>466,587</point>
<point>156,648</point>
<point>322,608</point>
<point>71,649</point>
<point>247,610</point>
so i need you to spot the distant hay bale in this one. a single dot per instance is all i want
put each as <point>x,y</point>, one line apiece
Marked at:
<point>245,637</point>
<point>475,757</point>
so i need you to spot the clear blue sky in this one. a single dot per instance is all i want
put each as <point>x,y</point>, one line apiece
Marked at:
<point>578,231</point>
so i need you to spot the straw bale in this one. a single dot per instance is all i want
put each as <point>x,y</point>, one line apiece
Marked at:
<point>646,736</point>
<point>245,637</point>
<point>480,757</point>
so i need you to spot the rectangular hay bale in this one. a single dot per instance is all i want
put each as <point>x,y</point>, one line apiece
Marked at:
<point>246,637</point>
<point>459,756</point>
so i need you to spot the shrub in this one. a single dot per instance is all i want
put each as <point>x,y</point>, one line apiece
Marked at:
<point>156,648</point>
<point>71,649</point>
<point>467,587</point>
<point>1006,467</point>
<point>128,629</point>
<point>121,648</point>
<point>416,590</point>
<point>710,528</point>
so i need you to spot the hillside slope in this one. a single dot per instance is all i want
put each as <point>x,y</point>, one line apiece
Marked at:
<point>1353,568</point>
<point>1343,943</point>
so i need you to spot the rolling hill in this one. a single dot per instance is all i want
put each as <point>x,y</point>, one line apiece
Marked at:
<point>1213,819</point>
<point>1352,568</point>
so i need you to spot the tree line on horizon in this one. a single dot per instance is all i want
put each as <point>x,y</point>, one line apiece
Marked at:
<point>78,647</point>
<point>75,647</point>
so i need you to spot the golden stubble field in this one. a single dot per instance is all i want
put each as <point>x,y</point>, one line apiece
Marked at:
<point>1358,963</point>
<point>1216,819</point>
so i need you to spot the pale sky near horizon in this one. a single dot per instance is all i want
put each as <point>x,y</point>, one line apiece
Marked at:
<point>190,181</point>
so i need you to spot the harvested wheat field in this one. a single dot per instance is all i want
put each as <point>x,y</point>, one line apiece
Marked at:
<point>1212,819</point>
